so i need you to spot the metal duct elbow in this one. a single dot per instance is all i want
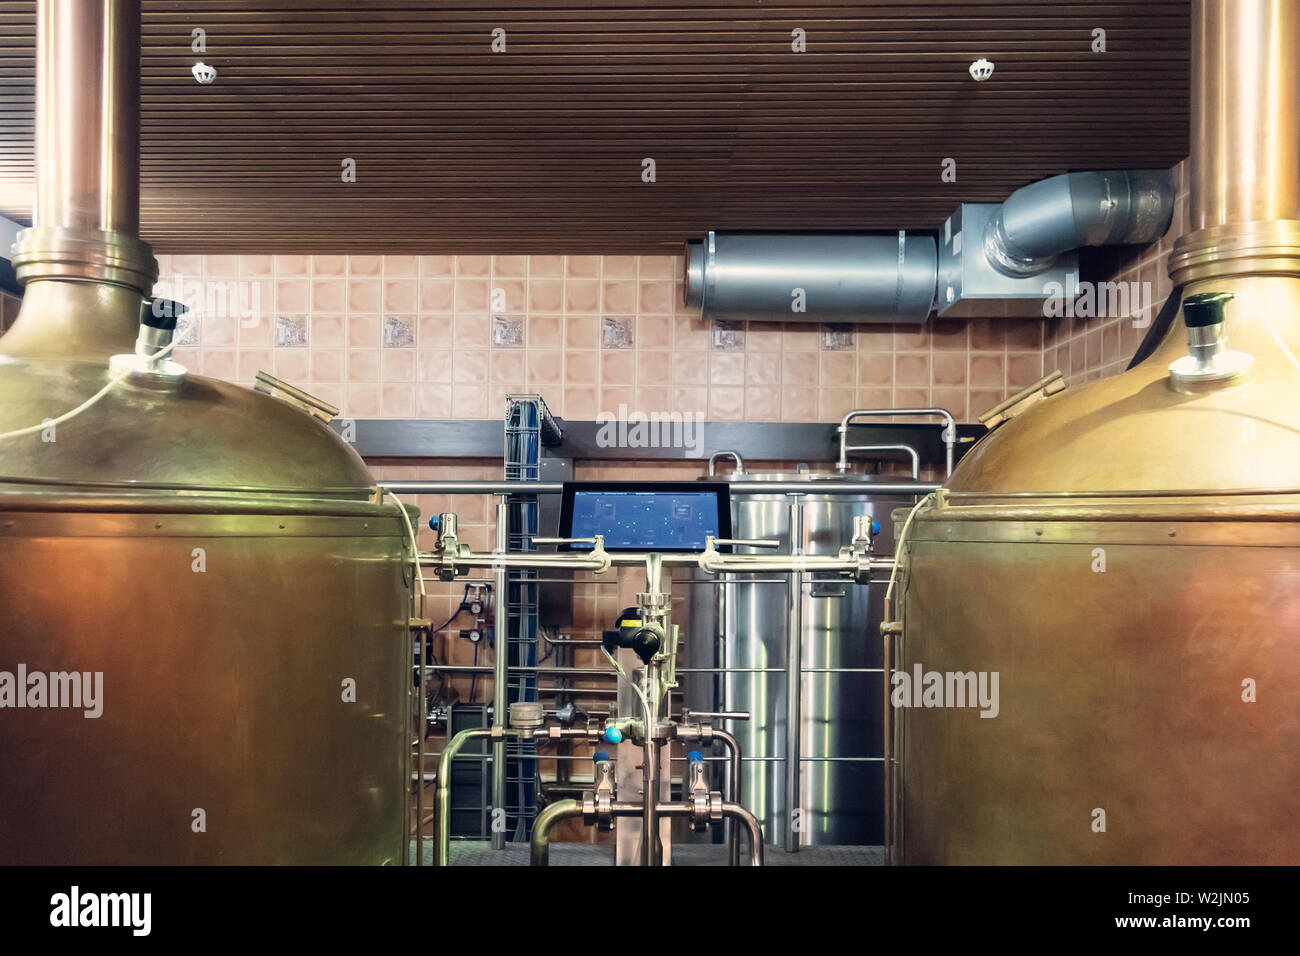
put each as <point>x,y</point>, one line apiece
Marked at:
<point>887,277</point>
<point>1042,220</point>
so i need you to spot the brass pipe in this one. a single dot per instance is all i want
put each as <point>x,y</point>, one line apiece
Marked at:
<point>539,847</point>
<point>442,799</point>
<point>1245,165</point>
<point>887,630</point>
<point>417,640</point>
<point>87,115</point>
<point>85,217</point>
<point>1244,206</point>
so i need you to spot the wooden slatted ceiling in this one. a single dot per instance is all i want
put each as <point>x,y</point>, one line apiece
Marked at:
<point>539,149</point>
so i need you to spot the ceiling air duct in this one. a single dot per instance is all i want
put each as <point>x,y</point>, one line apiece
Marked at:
<point>886,277</point>
<point>989,256</point>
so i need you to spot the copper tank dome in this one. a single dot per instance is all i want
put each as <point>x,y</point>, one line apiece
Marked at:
<point>1126,555</point>
<point>211,558</point>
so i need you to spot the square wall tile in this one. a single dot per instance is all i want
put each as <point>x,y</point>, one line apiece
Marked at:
<point>616,332</point>
<point>508,331</point>
<point>291,331</point>
<point>399,331</point>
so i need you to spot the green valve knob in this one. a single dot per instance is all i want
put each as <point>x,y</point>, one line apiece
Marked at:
<point>1205,309</point>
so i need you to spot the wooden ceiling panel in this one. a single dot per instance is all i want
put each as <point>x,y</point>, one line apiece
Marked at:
<point>540,148</point>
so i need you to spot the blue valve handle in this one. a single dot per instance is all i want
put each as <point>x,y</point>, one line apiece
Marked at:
<point>613,735</point>
<point>601,756</point>
<point>875,526</point>
<point>695,757</point>
<point>433,523</point>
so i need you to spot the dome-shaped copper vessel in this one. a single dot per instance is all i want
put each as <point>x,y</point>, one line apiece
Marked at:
<point>1126,556</point>
<point>205,612</point>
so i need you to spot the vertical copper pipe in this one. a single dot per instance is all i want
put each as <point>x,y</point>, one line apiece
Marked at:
<point>1245,137</point>
<point>88,115</point>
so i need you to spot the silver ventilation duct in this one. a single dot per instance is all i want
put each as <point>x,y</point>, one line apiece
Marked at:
<point>818,278</point>
<point>1044,219</point>
<point>988,255</point>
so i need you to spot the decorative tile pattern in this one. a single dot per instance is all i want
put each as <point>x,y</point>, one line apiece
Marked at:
<point>616,332</point>
<point>728,336</point>
<point>508,331</point>
<point>399,331</point>
<point>837,338</point>
<point>290,331</point>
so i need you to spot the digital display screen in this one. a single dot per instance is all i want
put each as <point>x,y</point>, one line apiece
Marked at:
<point>668,516</point>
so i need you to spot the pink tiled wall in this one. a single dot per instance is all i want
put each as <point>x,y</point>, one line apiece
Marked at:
<point>451,336</point>
<point>1089,348</point>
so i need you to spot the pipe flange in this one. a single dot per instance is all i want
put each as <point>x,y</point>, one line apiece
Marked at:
<point>700,813</point>
<point>54,252</point>
<point>1269,247</point>
<point>705,810</point>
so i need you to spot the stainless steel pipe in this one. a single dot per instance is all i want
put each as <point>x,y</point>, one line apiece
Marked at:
<point>949,438</point>
<point>834,487</point>
<point>737,763</point>
<point>715,563</point>
<point>794,680</point>
<point>539,851</point>
<point>500,674</point>
<point>912,452</point>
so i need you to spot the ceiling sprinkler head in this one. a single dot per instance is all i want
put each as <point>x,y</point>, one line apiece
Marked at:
<point>981,70</point>
<point>203,73</point>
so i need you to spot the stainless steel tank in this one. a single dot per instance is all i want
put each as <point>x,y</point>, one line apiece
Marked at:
<point>204,654</point>
<point>1126,555</point>
<point>743,622</point>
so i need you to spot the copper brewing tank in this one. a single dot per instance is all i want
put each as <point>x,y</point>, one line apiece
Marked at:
<point>1125,690</point>
<point>213,552</point>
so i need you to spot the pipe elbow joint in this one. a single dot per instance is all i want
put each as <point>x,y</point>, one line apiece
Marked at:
<point>1041,221</point>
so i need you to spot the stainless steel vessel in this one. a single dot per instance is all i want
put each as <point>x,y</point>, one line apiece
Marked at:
<point>743,622</point>
<point>1126,556</point>
<point>204,654</point>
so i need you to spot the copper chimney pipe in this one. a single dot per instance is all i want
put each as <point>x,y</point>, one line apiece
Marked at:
<point>1245,141</point>
<point>85,268</point>
<point>87,115</point>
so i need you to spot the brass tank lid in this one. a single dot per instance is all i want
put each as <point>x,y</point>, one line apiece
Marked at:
<point>196,436</point>
<point>185,437</point>
<point>1137,431</point>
